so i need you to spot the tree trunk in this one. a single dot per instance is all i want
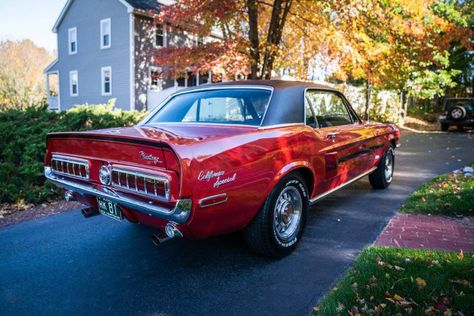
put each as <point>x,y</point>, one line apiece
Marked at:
<point>252,10</point>
<point>367,99</point>
<point>280,11</point>
<point>404,105</point>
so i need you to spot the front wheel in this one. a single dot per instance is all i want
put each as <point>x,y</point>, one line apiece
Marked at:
<point>383,175</point>
<point>279,225</point>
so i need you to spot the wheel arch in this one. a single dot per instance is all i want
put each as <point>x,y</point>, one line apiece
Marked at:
<point>304,169</point>
<point>393,142</point>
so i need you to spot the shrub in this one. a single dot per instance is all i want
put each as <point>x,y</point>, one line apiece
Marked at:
<point>23,144</point>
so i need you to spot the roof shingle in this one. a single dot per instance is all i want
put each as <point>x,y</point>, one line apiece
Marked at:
<point>145,5</point>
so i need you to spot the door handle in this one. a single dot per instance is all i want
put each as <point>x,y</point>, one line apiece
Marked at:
<point>332,135</point>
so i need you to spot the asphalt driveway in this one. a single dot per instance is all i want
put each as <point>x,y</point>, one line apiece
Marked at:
<point>65,264</point>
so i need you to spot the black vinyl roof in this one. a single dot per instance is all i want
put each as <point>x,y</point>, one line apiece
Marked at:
<point>277,84</point>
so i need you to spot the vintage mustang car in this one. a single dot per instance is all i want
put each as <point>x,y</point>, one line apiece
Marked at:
<point>219,158</point>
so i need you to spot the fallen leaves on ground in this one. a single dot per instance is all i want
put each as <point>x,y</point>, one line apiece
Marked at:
<point>420,282</point>
<point>404,282</point>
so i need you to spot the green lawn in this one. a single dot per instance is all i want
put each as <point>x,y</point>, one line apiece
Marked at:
<point>450,195</point>
<point>391,281</point>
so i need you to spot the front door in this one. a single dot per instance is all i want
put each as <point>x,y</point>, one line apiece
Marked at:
<point>345,152</point>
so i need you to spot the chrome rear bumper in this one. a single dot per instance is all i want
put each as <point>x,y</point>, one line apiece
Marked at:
<point>179,214</point>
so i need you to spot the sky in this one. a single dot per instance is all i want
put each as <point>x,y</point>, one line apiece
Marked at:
<point>32,19</point>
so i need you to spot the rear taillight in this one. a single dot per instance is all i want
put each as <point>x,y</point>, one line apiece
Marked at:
<point>141,182</point>
<point>70,166</point>
<point>171,160</point>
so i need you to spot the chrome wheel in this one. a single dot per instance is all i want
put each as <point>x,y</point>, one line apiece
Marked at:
<point>287,213</point>
<point>389,166</point>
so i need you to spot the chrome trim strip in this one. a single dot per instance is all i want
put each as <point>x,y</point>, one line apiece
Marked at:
<point>179,214</point>
<point>69,158</point>
<point>320,197</point>
<point>347,105</point>
<point>201,201</point>
<point>280,125</point>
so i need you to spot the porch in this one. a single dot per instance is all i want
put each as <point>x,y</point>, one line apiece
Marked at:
<point>52,88</point>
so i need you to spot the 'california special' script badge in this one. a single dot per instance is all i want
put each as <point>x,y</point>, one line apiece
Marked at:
<point>218,176</point>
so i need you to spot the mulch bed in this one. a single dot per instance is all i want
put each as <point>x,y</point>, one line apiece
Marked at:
<point>14,214</point>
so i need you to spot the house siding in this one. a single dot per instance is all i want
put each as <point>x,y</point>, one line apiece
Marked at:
<point>86,15</point>
<point>144,37</point>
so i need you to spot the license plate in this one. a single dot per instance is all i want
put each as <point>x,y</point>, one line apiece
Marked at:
<point>109,209</point>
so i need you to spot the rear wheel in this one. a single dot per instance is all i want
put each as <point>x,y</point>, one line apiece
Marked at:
<point>383,175</point>
<point>279,225</point>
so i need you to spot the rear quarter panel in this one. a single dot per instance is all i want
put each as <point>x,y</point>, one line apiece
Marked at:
<point>250,165</point>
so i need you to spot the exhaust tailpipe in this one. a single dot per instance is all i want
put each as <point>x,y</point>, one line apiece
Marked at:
<point>170,232</point>
<point>89,212</point>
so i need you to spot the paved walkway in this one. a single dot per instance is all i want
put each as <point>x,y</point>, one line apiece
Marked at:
<point>423,231</point>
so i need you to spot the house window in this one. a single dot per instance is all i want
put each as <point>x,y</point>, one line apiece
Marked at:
<point>160,35</point>
<point>105,33</point>
<point>159,80</point>
<point>106,80</point>
<point>72,40</point>
<point>73,83</point>
<point>155,78</point>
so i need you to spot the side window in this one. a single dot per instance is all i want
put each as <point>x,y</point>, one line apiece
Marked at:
<point>329,108</point>
<point>310,120</point>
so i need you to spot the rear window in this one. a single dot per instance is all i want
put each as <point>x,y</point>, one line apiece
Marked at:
<point>224,106</point>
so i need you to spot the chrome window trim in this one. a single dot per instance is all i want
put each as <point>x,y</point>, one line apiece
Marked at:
<point>248,87</point>
<point>201,124</point>
<point>74,160</point>
<point>280,125</point>
<point>346,103</point>
<point>178,214</point>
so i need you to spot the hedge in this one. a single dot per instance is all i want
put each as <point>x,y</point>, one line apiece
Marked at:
<point>23,144</point>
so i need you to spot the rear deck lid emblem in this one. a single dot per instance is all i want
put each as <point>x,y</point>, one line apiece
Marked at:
<point>149,157</point>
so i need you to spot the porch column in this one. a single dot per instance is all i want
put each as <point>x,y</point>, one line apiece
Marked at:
<point>47,86</point>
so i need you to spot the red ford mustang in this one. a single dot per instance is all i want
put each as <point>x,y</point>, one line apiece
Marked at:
<point>219,158</point>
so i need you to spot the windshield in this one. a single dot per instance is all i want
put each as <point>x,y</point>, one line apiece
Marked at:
<point>224,106</point>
